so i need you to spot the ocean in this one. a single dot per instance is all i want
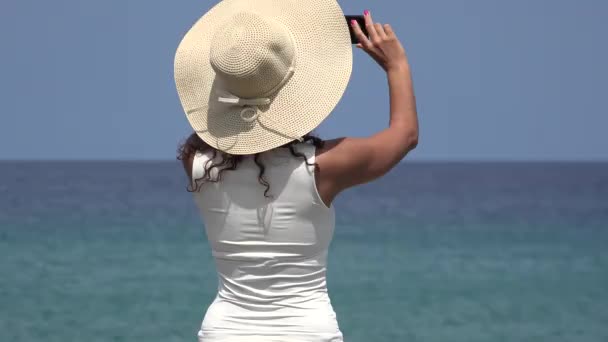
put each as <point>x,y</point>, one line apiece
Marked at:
<point>434,252</point>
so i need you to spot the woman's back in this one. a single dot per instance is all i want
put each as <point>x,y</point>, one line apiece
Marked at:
<point>270,252</point>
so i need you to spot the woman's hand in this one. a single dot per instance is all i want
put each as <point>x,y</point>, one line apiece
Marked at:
<point>382,45</point>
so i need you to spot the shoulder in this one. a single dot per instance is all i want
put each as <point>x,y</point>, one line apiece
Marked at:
<point>325,153</point>
<point>192,161</point>
<point>307,148</point>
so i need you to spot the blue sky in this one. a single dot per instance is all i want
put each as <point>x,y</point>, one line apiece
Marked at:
<point>495,80</point>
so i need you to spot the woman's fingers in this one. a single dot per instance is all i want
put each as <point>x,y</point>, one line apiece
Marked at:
<point>382,44</point>
<point>389,30</point>
<point>380,30</point>
<point>363,40</point>
<point>369,25</point>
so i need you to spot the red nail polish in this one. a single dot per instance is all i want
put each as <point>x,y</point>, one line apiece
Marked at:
<point>366,12</point>
<point>353,22</point>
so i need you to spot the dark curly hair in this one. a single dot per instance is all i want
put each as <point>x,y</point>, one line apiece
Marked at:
<point>194,143</point>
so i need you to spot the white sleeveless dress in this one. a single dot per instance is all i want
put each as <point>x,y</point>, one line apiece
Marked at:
<point>270,253</point>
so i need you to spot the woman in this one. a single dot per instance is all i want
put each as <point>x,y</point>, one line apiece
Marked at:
<point>254,80</point>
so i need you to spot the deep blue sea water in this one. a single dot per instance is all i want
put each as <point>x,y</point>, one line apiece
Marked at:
<point>471,252</point>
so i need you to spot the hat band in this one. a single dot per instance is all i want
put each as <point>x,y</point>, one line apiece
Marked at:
<point>258,101</point>
<point>245,102</point>
<point>250,113</point>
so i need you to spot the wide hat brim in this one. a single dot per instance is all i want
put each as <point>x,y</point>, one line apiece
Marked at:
<point>323,69</point>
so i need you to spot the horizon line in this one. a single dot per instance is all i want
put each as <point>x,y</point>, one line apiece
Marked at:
<point>416,160</point>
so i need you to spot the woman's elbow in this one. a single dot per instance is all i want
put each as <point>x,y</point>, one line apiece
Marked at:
<point>412,140</point>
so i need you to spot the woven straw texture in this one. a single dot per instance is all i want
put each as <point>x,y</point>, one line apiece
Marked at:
<point>323,63</point>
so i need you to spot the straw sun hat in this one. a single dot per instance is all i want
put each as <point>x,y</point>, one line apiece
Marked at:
<point>254,75</point>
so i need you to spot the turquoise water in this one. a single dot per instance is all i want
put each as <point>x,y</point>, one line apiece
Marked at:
<point>114,251</point>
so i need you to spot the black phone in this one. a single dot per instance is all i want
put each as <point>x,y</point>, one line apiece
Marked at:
<point>361,21</point>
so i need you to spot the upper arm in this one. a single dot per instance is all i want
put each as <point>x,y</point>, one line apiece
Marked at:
<point>350,161</point>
